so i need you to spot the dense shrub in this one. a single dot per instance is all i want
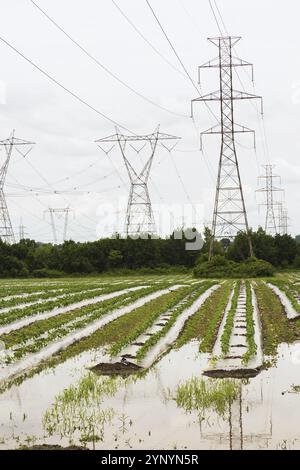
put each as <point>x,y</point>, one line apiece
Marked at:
<point>44,272</point>
<point>220,267</point>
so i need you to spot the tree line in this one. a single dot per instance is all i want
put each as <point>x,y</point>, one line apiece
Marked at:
<point>31,258</point>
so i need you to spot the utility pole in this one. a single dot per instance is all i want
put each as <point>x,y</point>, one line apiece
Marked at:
<point>229,214</point>
<point>6,230</point>
<point>269,189</point>
<point>139,214</point>
<point>52,213</point>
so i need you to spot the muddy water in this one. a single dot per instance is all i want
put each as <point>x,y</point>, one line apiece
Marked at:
<point>266,415</point>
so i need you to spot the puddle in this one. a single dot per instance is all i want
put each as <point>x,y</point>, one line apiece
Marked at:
<point>147,416</point>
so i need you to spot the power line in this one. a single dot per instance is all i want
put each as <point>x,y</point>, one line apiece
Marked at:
<point>172,47</point>
<point>145,39</point>
<point>215,17</point>
<point>180,60</point>
<point>194,86</point>
<point>259,117</point>
<point>46,74</point>
<point>52,188</point>
<point>103,67</point>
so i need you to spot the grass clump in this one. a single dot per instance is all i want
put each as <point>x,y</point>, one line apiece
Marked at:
<point>201,395</point>
<point>79,412</point>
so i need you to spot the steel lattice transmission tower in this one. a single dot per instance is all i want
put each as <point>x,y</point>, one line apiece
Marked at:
<point>269,189</point>
<point>6,230</point>
<point>229,215</point>
<point>282,220</point>
<point>64,212</point>
<point>139,214</point>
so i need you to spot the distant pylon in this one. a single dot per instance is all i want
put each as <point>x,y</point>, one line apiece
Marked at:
<point>21,230</point>
<point>6,230</point>
<point>52,212</point>
<point>282,220</point>
<point>269,189</point>
<point>229,215</point>
<point>139,214</point>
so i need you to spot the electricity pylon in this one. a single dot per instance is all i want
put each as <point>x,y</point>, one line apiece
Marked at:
<point>282,220</point>
<point>229,215</point>
<point>52,212</point>
<point>21,230</point>
<point>139,215</point>
<point>269,189</point>
<point>6,230</point>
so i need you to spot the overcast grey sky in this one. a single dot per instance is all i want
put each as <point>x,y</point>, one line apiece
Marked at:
<point>64,130</point>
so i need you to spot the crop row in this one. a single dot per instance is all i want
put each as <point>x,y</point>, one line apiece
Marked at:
<point>225,339</point>
<point>290,290</point>
<point>149,313</point>
<point>11,289</point>
<point>37,335</point>
<point>177,311</point>
<point>276,328</point>
<point>111,334</point>
<point>13,301</point>
<point>204,324</point>
<point>38,297</point>
<point>48,305</point>
<point>250,326</point>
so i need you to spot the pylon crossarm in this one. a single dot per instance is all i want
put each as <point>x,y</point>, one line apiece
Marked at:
<point>214,63</point>
<point>213,96</point>
<point>224,39</point>
<point>129,138</point>
<point>15,141</point>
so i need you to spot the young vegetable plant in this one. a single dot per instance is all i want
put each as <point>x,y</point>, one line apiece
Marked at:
<point>204,324</point>
<point>176,313</point>
<point>225,339</point>
<point>250,326</point>
<point>150,312</point>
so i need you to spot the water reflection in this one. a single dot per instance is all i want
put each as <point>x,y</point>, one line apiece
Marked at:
<point>143,412</point>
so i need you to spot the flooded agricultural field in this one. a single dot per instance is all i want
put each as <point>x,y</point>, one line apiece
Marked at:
<point>150,362</point>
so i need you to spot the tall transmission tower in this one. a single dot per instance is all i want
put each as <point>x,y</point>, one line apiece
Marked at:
<point>6,229</point>
<point>64,211</point>
<point>229,215</point>
<point>139,214</point>
<point>269,189</point>
<point>282,220</point>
